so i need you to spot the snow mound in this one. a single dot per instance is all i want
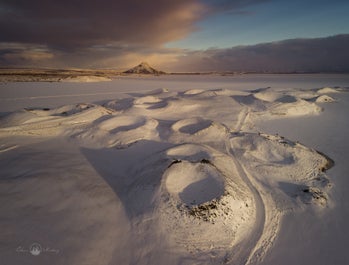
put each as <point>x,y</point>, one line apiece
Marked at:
<point>297,108</point>
<point>122,123</point>
<point>118,131</point>
<point>269,96</point>
<point>191,152</point>
<point>120,104</point>
<point>17,118</point>
<point>205,192</point>
<point>157,91</point>
<point>194,183</point>
<point>52,122</point>
<point>325,98</point>
<point>196,130</point>
<point>147,100</point>
<point>327,90</point>
<point>194,91</point>
<point>191,126</point>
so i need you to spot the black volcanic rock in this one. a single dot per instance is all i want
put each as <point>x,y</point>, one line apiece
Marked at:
<point>145,69</point>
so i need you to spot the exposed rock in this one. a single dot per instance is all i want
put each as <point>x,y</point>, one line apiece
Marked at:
<point>144,68</point>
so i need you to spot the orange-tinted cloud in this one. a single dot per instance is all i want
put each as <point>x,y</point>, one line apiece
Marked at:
<point>70,24</point>
<point>93,33</point>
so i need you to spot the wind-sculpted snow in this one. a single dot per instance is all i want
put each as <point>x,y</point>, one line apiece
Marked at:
<point>195,177</point>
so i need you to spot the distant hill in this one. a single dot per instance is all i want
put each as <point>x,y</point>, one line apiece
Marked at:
<point>144,68</point>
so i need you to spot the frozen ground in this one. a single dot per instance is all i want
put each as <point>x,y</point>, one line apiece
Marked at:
<point>175,170</point>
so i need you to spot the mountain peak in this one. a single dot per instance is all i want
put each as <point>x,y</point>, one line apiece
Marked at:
<point>144,64</point>
<point>143,68</point>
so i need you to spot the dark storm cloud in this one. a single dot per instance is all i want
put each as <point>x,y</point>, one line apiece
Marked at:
<point>329,54</point>
<point>70,24</point>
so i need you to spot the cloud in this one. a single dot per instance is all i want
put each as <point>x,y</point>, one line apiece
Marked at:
<point>17,54</point>
<point>71,24</point>
<point>296,55</point>
<point>93,33</point>
<point>97,56</point>
<point>28,56</point>
<point>119,34</point>
<point>329,54</point>
<point>99,33</point>
<point>232,5</point>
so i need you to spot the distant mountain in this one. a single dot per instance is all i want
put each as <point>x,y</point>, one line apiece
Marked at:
<point>144,68</point>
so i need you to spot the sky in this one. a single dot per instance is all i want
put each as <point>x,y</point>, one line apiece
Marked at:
<point>177,35</point>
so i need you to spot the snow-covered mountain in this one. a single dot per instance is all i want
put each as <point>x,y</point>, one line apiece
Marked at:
<point>143,68</point>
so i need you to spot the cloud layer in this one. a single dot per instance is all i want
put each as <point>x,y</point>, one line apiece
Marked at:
<point>71,24</point>
<point>329,54</point>
<point>120,34</point>
<point>92,33</point>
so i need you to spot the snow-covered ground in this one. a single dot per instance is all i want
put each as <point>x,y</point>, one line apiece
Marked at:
<point>307,237</point>
<point>175,170</point>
